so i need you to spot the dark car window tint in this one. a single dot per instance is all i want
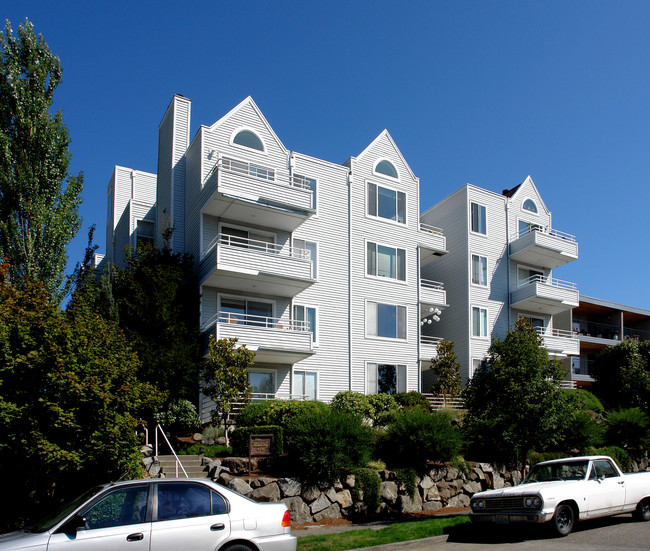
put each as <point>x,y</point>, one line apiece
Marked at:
<point>606,469</point>
<point>219,506</point>
<point>182,501</point>
<point>119,508</point>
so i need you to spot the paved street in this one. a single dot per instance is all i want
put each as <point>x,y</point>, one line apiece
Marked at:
<point>597,535</point>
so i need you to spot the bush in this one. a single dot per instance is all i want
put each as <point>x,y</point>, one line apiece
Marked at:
<point>382,405</point>
<point>539,457</point>
<point>354,403</point>
<point>409,479</point>
<point>322,443</point>
<point>179,417</point>
<point>215,450</point>
<point>619,455</point>
<point>211,433</point>
<point>366,489</point>
<point>627,428</point>
<point>275,412</point>
<point>412,399</point>
<point>240,439</point>
<point>583,400</point>
<point>583,430</point>
<point>415,437</point>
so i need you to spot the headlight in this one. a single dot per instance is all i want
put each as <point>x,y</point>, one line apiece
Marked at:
<point>532,502</point>
<point>537,503</point>
<point>481,504</point>
<point>528,502</point>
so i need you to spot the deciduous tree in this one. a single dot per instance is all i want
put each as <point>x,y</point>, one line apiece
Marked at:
<point>39,200</point>
<point>225,375</point>
<point>447,370</point>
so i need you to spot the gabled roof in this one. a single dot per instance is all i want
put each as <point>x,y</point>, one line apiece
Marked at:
<point>528,188</point>
<point>249,102</point>
<point>385,135</point>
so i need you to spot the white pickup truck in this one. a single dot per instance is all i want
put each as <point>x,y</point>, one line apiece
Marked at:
<point>563,491</point>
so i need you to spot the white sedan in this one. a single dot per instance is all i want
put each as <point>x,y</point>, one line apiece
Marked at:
<point>160,515</point>
<point>563,491</point>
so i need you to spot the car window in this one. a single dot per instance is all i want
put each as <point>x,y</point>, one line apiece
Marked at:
<point>183,500</point>
<point>605,468</point>
<point>219,506</point>
<point>120,507</point>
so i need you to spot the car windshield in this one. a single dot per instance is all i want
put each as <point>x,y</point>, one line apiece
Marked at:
<point>51,520</point>
<point>565,470</point>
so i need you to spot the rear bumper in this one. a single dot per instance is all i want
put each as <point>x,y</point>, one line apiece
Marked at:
<point>282,542</point>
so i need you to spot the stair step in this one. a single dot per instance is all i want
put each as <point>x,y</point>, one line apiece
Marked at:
<point>191,464</point>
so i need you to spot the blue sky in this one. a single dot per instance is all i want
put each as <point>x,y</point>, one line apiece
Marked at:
<point>471,91</point>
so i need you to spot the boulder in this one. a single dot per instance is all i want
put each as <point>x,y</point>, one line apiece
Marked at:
<point>267,493</point>
<point>239,486</point>
<point>389,492</point>
<point>321,503</point>
<point>298,509</point>
<point>432,506</point>
<point>236,465</point>
<point>333,511</point>
<point>289,487</point>
<point>310,493</point>
<point>426,482</point>
<point>471,488</point>
<point>349,481</point>
<point>344,498</point>
<point>224,478</point>
<point>331,494</point>
<point>433,494</point>
<point>452,474</point>
<point>408,504</point>
<point>461,500</point>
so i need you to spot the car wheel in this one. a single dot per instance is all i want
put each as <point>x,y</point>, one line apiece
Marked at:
<point>642,510</point>
<point>563,520</point>
<point>238,547</point>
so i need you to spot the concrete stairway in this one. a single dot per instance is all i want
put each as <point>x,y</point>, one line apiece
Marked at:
<point>191,463</point>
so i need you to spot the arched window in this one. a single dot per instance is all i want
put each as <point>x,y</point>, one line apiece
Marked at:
<point>530,205</point>
<point>248,139</point>
<point>387,168</point>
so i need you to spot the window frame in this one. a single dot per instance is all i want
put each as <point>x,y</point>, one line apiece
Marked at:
<point>314,262</point>
<point>405,329</point>
<point>264,370</point>
<point>478,283</point>
<point>382,174</point>
<point>541,271</point>
<point>305,372</point>
<point>314,192</point>
<point>240,129</point>
<point>314,338</point>
<point>385,278</point>
<point>382,218</point>
<point>471,218</point>
<point>487,322</point>
<point>403,376</point>
<point>246,298</point>
<point>529,199</point>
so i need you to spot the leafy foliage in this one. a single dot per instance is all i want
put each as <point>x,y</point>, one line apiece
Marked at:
<point>275,412</point>
<point>415,437</point>
<point>179,417</point>
<point>354,403</point>
<point>583,400</point>
<point>619,455</point>
<point>367,488</point>
<point>225,374</point>
<point>622,375</point>
<point>39,200</point>
<point>323,443</point>
<point>446,367</point>
<point>69,401</point>
<point>515,399</point>
<point>628,428</point>
<point>412,399</point>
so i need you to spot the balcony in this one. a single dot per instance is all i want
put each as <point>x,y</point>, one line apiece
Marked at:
<point>252,266</point>
<point>432,242</point>
<point>544,247</point>
<point>559,342</point>
<point>273,340</point>
<point>545,295</point>
<point>429,348</point>
<point>253,194</point>
<point>432,295</point>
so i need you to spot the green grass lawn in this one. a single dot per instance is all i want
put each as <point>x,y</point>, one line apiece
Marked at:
<point>403,531</point>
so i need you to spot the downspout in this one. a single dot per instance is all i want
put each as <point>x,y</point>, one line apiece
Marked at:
<point>508,260</point>
<point>350,180</point>
<point>419,275</point>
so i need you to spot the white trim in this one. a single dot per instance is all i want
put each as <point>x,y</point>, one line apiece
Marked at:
<point>471,268</point>
<point>294,175</point>
<point>270,301</point>
<point>523,202</point>
<point>265,370</point>
<point>316,314</point>
<point>314,276</point>
<point>294,370</point>
<point>386,339</point>
<point>470,219</point>
<point>381,174</point>
<point>243,147</point>
<point>381,218</point>
<point>487,322</point>
<point>527,267</point>
<point>377,364</point>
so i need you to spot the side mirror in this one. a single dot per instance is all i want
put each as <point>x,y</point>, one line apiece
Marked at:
<point>74,524</point>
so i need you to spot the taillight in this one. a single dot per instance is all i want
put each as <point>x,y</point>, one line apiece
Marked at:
<point>286,519</point>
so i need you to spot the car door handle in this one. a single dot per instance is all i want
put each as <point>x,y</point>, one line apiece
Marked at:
<point>217,527</point>
<point>135,537</point>
<point>621,481</point>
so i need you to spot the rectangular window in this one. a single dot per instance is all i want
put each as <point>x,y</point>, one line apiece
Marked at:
<point>386,378</point>
<point>306,314</point>
<point>247,312</point>
<point>262,382</point>
<point>386,203</point>
<point>382,261</point>
<point>479,270</point>
<point>479,322</point>
<point>304,384</point>
<point>476,365</point>
<point>144,232</point>
<point>479,221</point>
<point>528,275</point>
<point>527,227</point>
<point>385,320</point>
<point>313,253</point>
<point>306,183</point>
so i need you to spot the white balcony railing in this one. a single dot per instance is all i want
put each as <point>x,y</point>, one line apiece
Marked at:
<point>547,231</point>
<point>226,240</point>
<point>256,170</point>
<point>430,284</point>
<point>561,333</point>
<point>266,322</point>
<point>431,341</point>
<point>545,280</point>
<point>431,229</point>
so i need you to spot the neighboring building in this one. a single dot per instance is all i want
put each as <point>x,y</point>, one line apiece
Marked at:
<point>503,251</point>
<point>324,270</point>
<point>600,323</point>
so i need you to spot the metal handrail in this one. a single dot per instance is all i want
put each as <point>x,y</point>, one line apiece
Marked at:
<point>426,339</point>
<point>430,284</point>
<point>178,461</point>
<point>545,280</point>
<point>547,231</point>
<point>228,240</point>
<point>266,322</point>
<point>544,332</point>
<point>431,229</point>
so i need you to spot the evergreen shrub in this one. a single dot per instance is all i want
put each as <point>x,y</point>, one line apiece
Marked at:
<point>412,399</point>
<point>275,412</point>
<point>628,428</point>
<point>367,488</point>
<point>354,403</point>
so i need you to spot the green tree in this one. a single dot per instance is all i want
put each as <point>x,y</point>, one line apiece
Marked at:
<point>158,309</point>
<point>39,200</point>
<point>225,376</point>
<point>446,368</point>
<point>514,402</point>
<point>622,375</point>
<point>69,402</point>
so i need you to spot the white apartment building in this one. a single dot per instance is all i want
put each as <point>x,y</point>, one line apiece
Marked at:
<point>324,270</point>
<point>503,252</point>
